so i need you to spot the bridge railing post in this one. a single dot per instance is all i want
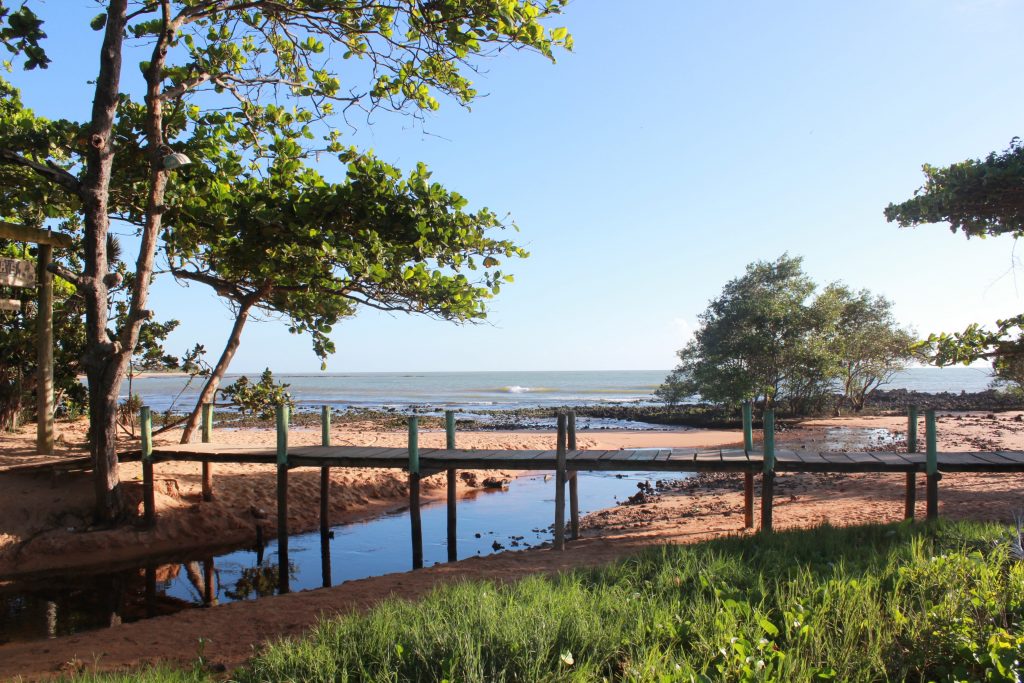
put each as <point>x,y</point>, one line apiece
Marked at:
<point>207,436</point>
<point>559,543</point>
<point>282,499</point>
<point>148,495</point>
<point>415,523</point>
<point>748,476</point>
<point>932,465</point>
<point>453,538</point>
<point>325,499</point>
<point>574,491</point>
<point>910,493</point>
<point>768,471</point>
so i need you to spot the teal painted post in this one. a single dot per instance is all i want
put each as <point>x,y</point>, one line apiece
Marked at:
<point>282,500</point>
<point>414,493</point>
<point>148,496</point>
<point>748,476</point>
<point>560,484</point>
<point>574,491</point>
<point>910,493</point>
<point>325,501</point>
<point>932,465</point>
<point>207,437</point>
<point>453,539</point>
<point>768,471</point>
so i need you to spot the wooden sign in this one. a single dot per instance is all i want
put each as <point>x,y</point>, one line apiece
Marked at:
<point>10,305</point>
<point>17,273</point>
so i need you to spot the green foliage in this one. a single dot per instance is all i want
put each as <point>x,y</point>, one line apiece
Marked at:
<point>292,243</point>
<point>979,198</point>
<point>260,399</point>
<point>873,603</point>
<point>767,338</point>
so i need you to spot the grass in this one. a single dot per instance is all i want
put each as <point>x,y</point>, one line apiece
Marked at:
<point>895,602</point>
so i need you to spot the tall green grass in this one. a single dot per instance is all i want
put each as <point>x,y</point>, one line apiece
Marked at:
<point>897,602</point>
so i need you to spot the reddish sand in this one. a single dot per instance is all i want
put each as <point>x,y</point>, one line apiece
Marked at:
<point>230,631</point>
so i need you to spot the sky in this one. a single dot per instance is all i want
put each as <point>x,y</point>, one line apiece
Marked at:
<point>675,144</point>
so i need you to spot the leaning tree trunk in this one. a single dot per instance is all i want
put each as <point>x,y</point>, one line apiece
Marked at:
<point>217,374</point>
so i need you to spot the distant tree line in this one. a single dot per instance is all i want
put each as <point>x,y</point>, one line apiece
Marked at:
<point>772,337</point>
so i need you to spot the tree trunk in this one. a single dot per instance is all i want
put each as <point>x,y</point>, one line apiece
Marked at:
<point>217,374</point>
<point>100,359</point>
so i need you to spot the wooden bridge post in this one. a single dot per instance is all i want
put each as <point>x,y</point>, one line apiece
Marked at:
<point>574,489</point>
<point>768,471</point>
<point>748,477</point>
<point>325,472</point>
<point>325,500</point>
<point>910,495</point>
<point>453,539</point>
<point>559,543</point>
<point>932,466</point>
<point>414,493</point>
<point>148,496</point>
<point>207,437</point>
<point>282,499</point>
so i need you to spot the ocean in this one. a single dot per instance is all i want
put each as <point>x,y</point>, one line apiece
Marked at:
<point>469,391</point>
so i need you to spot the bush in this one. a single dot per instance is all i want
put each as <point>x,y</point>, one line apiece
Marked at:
<point>260,399</point>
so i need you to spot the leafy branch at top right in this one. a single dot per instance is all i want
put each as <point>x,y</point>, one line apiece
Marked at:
<point>978,197</point>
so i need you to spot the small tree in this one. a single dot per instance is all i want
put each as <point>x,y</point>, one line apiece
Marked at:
<point>768,338</point>
<point>748,336</point>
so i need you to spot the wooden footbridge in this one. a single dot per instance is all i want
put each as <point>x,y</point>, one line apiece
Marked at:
<point>565,460</point>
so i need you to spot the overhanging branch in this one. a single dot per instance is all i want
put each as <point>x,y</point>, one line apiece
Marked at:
<point>51,172</point>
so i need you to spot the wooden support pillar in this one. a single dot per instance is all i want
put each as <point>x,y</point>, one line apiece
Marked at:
<point>282,500</point>
<point>325,501</point>
<point>453,539</point>
<point>325,472</point>
<point>415,522</point>
<point>207,437</point>
<point>574,490</point>
<point>748,477</point>
<point>560,485</point>
<point>932,465</point>
<point>768,472</point>
<point>44,353</point>
<point>148,496</point>
<point>910,493</point>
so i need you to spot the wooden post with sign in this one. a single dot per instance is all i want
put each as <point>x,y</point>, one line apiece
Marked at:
<point>20,273</point>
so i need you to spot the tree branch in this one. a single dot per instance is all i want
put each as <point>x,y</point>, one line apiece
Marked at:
<point>50,171</point>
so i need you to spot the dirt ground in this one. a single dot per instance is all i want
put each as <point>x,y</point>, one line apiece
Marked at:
<point>699,511</point>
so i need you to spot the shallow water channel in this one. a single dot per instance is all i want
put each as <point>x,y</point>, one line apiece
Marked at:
<point>488,522</point>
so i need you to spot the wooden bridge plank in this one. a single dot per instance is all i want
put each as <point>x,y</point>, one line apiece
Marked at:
<point>787,456</point>
<point>734,455</point>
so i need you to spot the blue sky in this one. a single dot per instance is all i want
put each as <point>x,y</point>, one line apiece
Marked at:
<point>677,143</point>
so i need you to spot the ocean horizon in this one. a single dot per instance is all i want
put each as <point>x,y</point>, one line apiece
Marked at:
<point>494,390</point>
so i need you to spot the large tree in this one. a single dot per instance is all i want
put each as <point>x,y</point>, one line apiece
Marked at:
<point>290,243</point>
<point>264,70</point>
<point>978,197</point>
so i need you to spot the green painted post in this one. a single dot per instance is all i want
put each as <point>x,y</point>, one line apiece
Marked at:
<point>748,426</point>
<point>148,496</point>
<point>910,491</point>
<point>414,493</point>
<point>282,499</point>
<point>453,539</point>
<point>325,485</point>
<point>748,476</point>
<point>207,437</point>
<point>932,465</point>
<point>574,491</point>
<point>768,471</point>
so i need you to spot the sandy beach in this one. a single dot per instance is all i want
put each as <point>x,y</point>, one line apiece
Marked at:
<point>41,513</point>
